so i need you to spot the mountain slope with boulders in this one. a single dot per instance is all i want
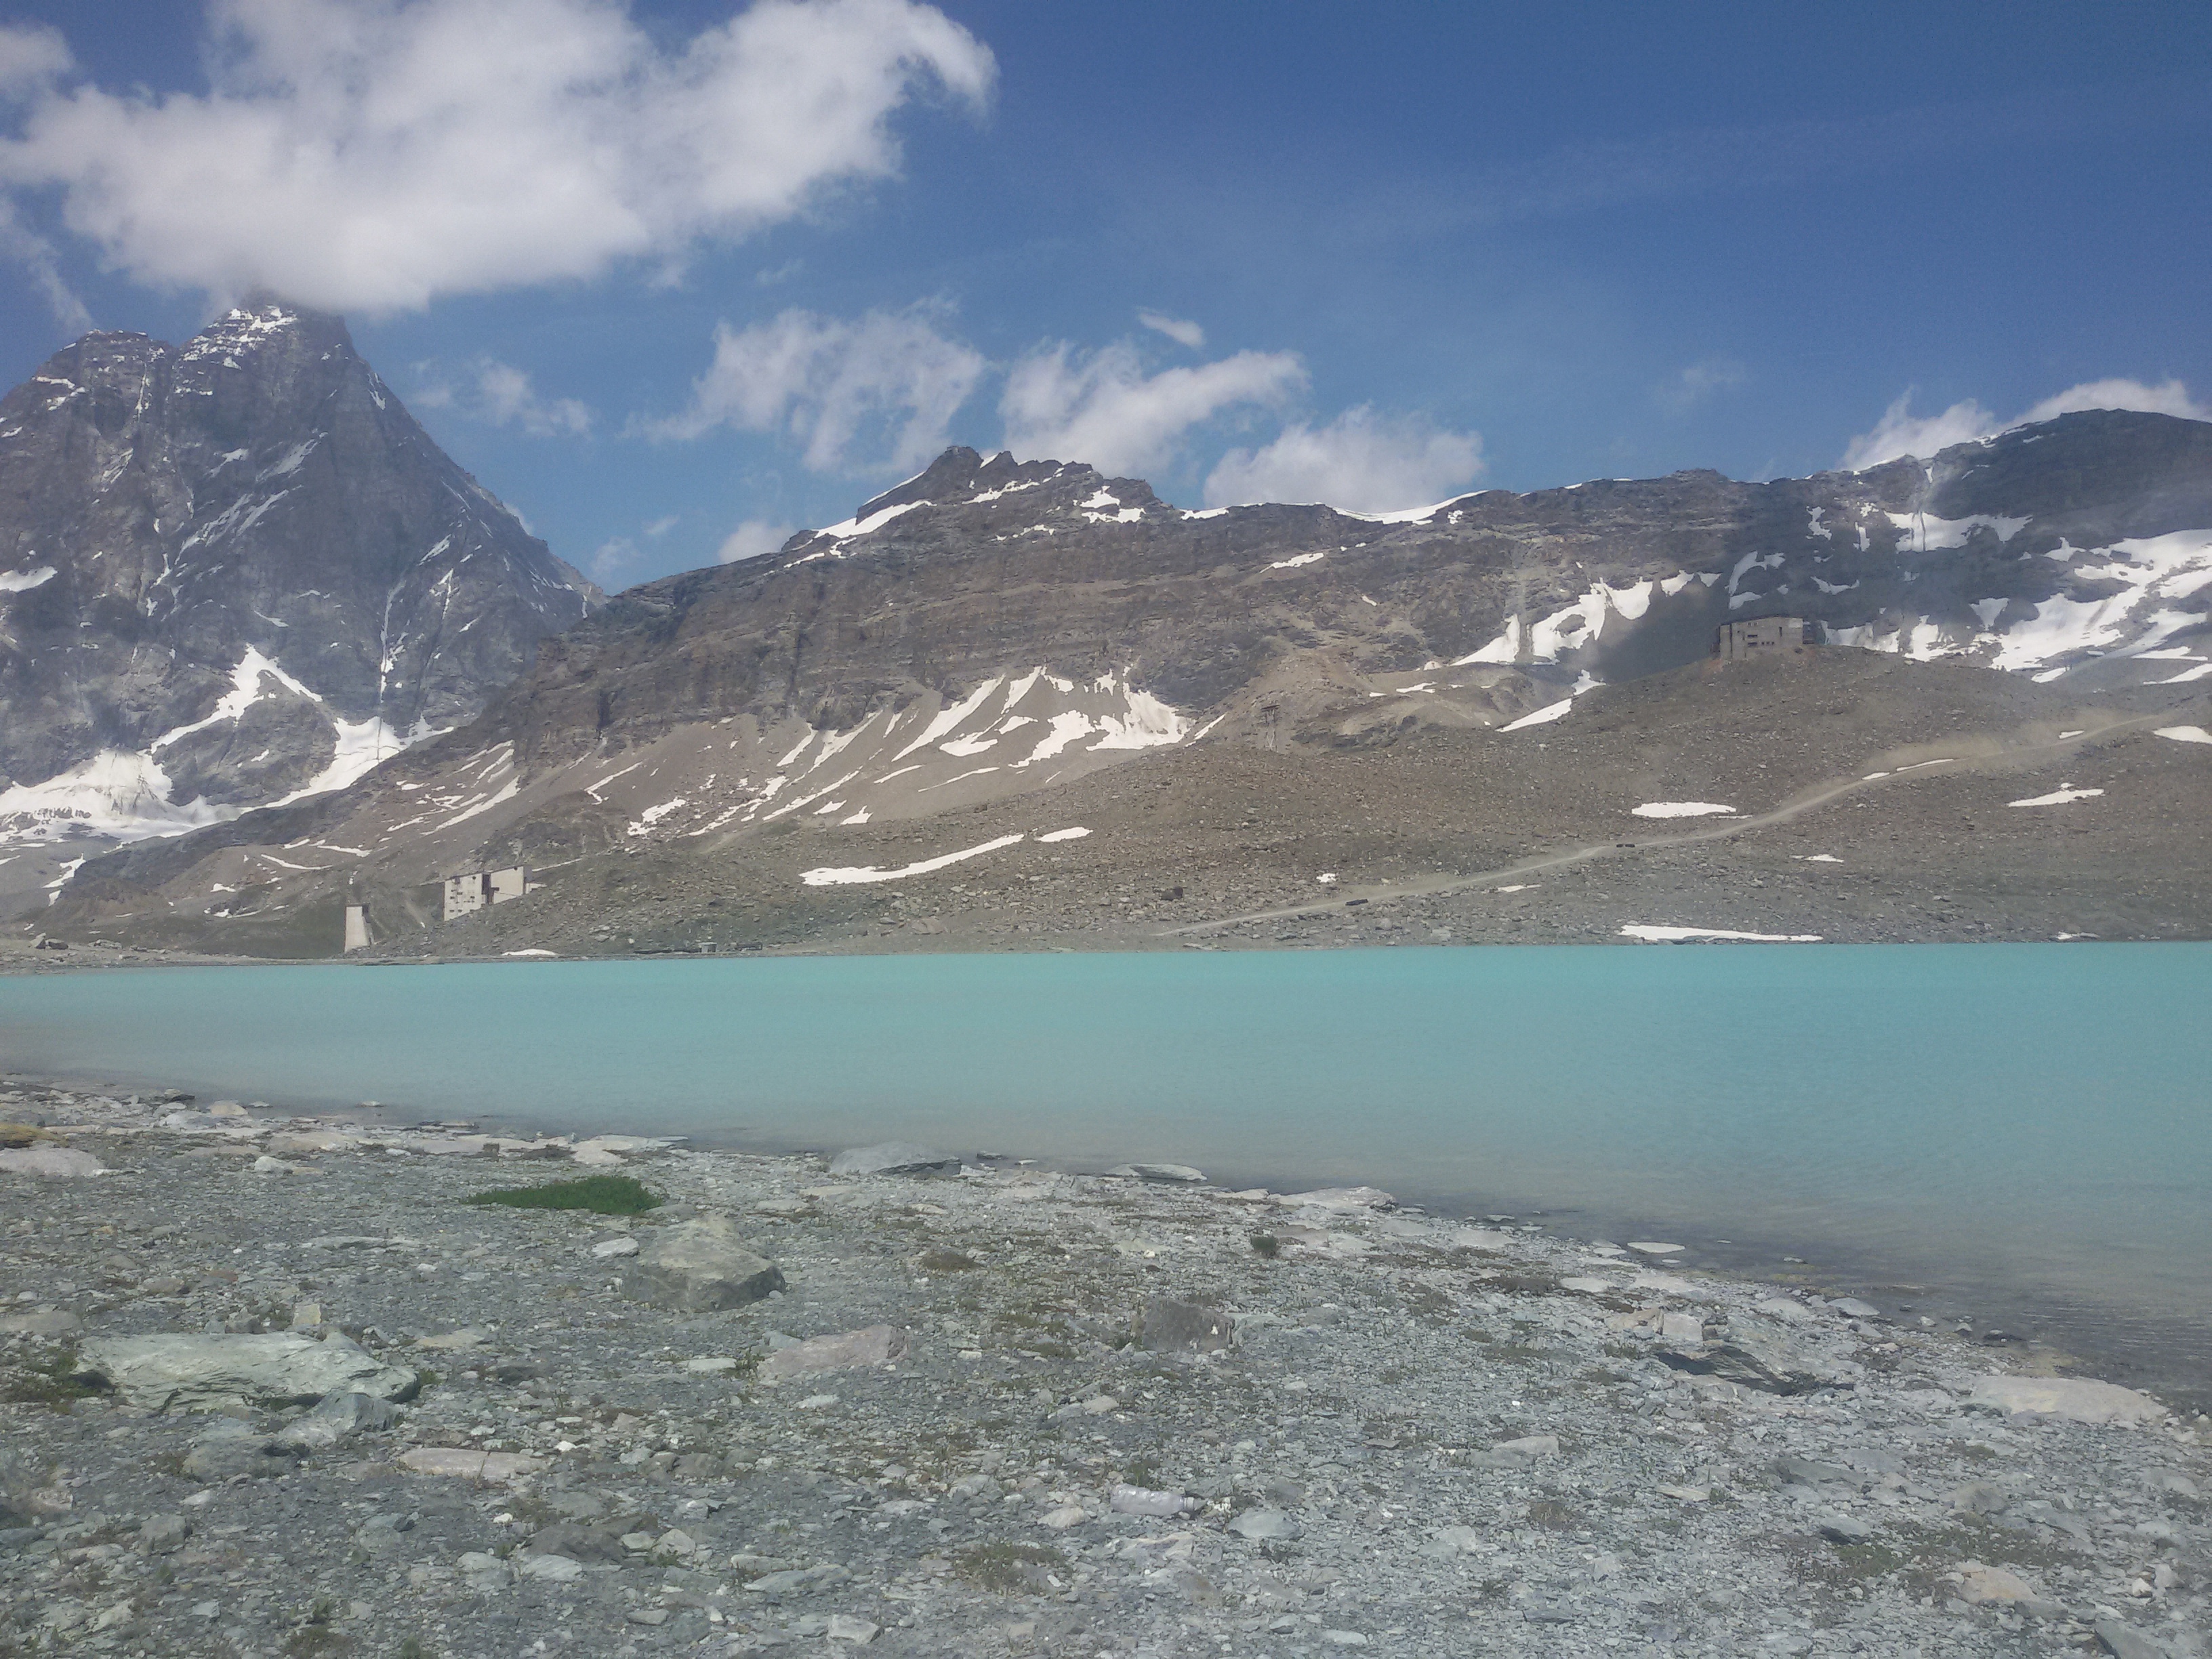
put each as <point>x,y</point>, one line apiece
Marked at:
<point>235,572</point>
<point>889,705</point>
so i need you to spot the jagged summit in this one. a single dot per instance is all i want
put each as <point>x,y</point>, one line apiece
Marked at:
<point>237,570</point>
<point>1035,493</point>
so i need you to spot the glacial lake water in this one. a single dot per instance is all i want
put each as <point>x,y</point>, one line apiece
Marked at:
<point>2018,1132</point>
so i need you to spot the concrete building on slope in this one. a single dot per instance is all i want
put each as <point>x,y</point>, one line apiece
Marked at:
<point>1764,636</point>
<point>472,890</point>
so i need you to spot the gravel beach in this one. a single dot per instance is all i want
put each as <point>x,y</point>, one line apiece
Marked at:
<point>274,1388</point>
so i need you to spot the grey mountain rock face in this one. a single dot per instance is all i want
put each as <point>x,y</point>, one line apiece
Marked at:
<point>2051,546</point>
<point>238,569</point>
<point>992,630</point>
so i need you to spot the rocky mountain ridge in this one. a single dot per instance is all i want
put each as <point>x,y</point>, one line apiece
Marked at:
<point>235,572</point>
<point>992,631</point>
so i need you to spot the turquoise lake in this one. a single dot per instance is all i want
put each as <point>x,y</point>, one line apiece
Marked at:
<point>2020,1131</point>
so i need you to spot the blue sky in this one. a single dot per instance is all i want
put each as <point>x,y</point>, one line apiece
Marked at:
<point>673,278</point>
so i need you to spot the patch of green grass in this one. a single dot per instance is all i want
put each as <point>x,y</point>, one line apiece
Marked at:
<point>602,1195</point>
<point>1006,1568</point>
<point>46,1379</point>
<point>1552,1515</point>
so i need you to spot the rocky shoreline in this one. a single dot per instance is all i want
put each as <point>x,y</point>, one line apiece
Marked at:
<point>273,1386</point>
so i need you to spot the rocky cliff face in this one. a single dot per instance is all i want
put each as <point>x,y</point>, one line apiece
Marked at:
<point>237,571</point>
<point>2073,547</point>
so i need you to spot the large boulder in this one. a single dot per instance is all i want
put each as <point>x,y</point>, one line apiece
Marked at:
<point>55,1162</point>
<point>208,1373</point>
<point>894,1157</point>
<point>2077,1399</point>
<point>700,1266</point>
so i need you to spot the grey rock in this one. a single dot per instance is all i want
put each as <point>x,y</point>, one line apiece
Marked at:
<point>1806,1472</point>
<point>1529,1447</point>
<point>1167,1326</point>
<point>575,1542</point>
<point>337,1416</point>
<point>55,1162</point>
<point>893,1158</point>
<point>803,1581</point>
<point>1852,1308</point>
<point>1170,1173</point>
<point>1844,1529</point>
<point>2125,1641</point>
<point>232,1448</point>
<point>1143,1500</point>
<point>2077,1399</point>
<point>207,1373</point>
<point>1687,1329</point>
<point>876,1345</point>
<point>1759,1355</point>
<point>700,1266</point>
<point>25,1493</point>
<point>1265,1525</point>
<point>159,1534</point>
<point>551,1569</point>
<point>47,1321</point>
<point>1980,1497</point>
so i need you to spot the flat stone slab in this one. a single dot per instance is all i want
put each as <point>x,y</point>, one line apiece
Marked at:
<point>1340,1198</point>
<point>1763,1358</point>
<point>55,1162</point>
<point>1265,1524</point>
<point>206,1373</point>
<point>495,1469</point>
<point>700,1266</point>
<point>50,1321</point>
<point>874,1345</point>
<point>1144,1500</point>
<point>894,1157</point>
<point>2077,1399</point>
<point>1166,1173</point>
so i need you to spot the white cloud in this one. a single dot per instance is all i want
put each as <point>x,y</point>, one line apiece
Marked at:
<point>363,154</point>
<point>41,263</point>
<point>1901,433</point>
<point>2171,398</point>
<point>1361,461</point>
<point>617,553</point>
<point>611,556</point>
<point>1104,409</point>
<point>752,538</point>
<point>1176,328</point>
<point>1698,383</point>
<point>879,392</point>
<point>500,394</point>
<point>31,56</point>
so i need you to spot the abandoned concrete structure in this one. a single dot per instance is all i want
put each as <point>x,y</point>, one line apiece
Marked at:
<point>357,929</point>
<point>472,890</point>
<point>1763,635</point>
